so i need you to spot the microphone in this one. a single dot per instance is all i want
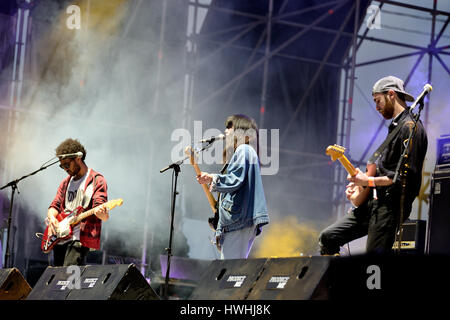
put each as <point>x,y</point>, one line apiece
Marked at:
<point>70,155</point>
<point>212,139</point>
<point>426,90</point>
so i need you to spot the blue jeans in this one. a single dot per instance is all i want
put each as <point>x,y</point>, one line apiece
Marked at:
<point>237,244</point>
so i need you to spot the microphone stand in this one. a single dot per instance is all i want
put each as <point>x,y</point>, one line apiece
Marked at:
<point>402,171</point>
<point>13,185</point>
<point>176,169</point>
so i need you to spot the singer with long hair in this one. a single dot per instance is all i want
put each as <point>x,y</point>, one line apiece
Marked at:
<point>242,204</point>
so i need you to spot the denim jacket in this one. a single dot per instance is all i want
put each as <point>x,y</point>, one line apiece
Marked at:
<point>242,201</point>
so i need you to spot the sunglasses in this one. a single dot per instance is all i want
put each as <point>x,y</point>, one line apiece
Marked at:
<point>65,166</point>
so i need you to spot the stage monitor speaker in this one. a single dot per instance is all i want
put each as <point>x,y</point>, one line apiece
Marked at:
<point>300,278</point>
<point>96,282</point>
<point>228,279</point>
<point>438,235</point>
<point>349,278</point>
<point>13,285</point>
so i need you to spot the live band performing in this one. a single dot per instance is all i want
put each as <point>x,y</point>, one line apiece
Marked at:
<point>224,150</point>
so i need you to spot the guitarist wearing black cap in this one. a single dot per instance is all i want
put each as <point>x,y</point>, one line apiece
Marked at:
<point>378,216</point>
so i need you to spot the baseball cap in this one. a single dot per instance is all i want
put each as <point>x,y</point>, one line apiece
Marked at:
<point>391,82</point>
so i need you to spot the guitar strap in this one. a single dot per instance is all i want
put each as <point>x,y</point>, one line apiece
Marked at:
<point>381,148</point>
<point>388,140</point>
<point>224,168</point>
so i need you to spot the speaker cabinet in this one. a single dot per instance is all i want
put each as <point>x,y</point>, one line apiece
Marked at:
<point>387,277</point>
<point>438,235</point>
<point>13,285</point>
<point>228,279</point>
<point>301,278</point>
<point>93,282</point>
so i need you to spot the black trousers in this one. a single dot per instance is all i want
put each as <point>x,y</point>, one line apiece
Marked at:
<point>378,219</point>
<point>70,253</point>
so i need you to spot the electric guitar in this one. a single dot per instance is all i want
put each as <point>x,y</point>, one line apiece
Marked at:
<point>67,220</point>
<point>361,194</point>
<point>211,200</point>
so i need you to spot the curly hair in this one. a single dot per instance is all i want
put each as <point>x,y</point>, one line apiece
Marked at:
<point>71,146</point>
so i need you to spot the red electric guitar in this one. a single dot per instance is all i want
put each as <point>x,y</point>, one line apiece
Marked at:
<point>66,221</point>
<point>336,152</point>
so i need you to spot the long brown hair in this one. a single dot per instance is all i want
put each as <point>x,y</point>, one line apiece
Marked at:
<point>245,131</point>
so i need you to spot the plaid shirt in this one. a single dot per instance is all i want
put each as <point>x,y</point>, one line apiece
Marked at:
<point>90,230</point>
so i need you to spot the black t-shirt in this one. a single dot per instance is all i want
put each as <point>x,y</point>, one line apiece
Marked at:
<point>389,158</point>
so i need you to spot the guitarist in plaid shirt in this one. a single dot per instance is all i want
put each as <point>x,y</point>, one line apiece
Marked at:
<point>82,187</point>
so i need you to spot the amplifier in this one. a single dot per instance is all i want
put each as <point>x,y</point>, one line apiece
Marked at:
<point>443,152</point>
<point>413,237</point>
<point>438,235</point>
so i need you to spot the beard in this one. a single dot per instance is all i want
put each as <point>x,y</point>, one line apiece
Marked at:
<point>388,110</point>
<point>76,170</point>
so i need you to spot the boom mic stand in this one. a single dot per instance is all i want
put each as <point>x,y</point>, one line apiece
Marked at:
<point>13,185</point>
<point>176,169</point>
<point>402,171</point>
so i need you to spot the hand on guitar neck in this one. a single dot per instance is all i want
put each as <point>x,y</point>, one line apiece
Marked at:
<point>360,179</point>
<point>356,191</point>
<point>101,212</point>
<point>205,178</point>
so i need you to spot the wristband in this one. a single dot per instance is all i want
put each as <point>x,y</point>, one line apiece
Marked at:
<point>371,182</point>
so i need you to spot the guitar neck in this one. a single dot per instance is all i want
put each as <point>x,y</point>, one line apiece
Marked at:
<point>209,196</point>
<point>347,165</point>
<point>197,169</point>
<point>82,216</point>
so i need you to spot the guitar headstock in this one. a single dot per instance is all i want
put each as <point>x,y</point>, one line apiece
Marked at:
<point>190,152</point>
<point>113,203</point>
<point>335,152</point>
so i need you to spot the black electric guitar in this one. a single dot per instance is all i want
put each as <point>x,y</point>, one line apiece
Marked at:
<point>211,200</point>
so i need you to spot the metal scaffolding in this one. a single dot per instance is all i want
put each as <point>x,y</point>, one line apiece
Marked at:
<point>268,20</point>
<point>20,50</point>
<point>348,67</point>
<point>432,49</point>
